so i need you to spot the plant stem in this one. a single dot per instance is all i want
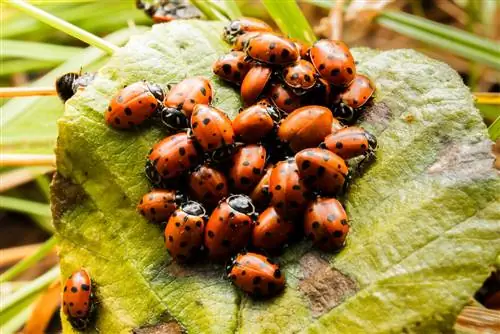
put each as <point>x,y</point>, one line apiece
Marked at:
<point>26,91</point>
<point>64,26</point>
<point>19,176</point>
<point>25,206</point>
<point>487,98</point>
<point>28,261</point>
<point>43,184</point>
<point>16,322</point>
<point>30,289</point>
<point>209,10</point>
<point>27,160</point>
<point>337,20</point>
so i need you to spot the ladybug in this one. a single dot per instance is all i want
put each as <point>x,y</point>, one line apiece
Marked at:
<point>157,205</point>
<point>213,131</point>
<point>229,227</point>
<point>256,274</point>
<point>166,11</point>
<point>232,67</point>
<point>271,230</point>
<point>133,105</point>
<point>358,92</point>
<point>306,127</point>
<point>78,299</point>
<point>303,49</point>
<point>325,223</point>
<point>254,83</point>
<point>272,49</point>
<point>322,170</point>
<point>289,194</point>
<point>254,123</point>
<point>300,75</point>
<point>247,167</point>
<point>243,25</point>
<point>350,142</point>
<point>171,157</point>
<point>284,98</point>
<point>336,126</point>
<point>242,40</point>
<point>180,101</point>
<point>207,185</point>
<point>184,231</point>
<point>68,84</point>
<point>260,195</point>
<point>333,61</point>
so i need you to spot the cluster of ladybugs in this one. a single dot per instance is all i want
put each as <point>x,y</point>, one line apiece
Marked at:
<point>257,182</point>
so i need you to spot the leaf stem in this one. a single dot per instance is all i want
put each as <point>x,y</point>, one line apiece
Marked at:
<point>30,260</point>
<point>26,91</point>
<point>30,289</point>
<point>27,160</point>
<point>25,206</point>
<point>64,26</point>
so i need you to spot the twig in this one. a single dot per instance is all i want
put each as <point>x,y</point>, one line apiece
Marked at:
<point>27,160</point>
<point>337,20</point>
<point>14,178</point>
<point>27,91</point>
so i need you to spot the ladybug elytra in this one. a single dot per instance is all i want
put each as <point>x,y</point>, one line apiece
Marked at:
<point>78,299</point>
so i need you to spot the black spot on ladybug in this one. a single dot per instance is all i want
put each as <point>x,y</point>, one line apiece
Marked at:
<point>109,108</point>
<point>272,58</point>
<point>339,145</point>
<point>182,151</point>
<point>349,70</point>
<point>288,101</point>
<point>198,223</point>
<point>187,228</point>
<point>178,224</point>
<point>280,204</point>
<point>211,234</point>
<point>117,120</point>
<point>226,243</point>
<point>243,273</point>
<point>153,211</point>
<point>203,91</point>
<point>285,53</point>
<point>128,111</point>
<point>219,186</point>
<point>240,65</point>
<point>277,273</point>
<point>256,280</point>
<point>194,125</point>
<point>330,218</point>
<point>170,238</point>
<point>322,67</point>
<point>307,77</point>
<point>335,72</point>
<point>315,225</point>
<point>244,180</point>
<point>79,312</point>
<point>206,121</point>
<point>321,170</point>
<point>256,171</point>
<point>278,187</point>
<point>363,146</point>
<point>306,164</point>
<point>296,187</point>
<point>74,289</point>
<point>343,222</point>
<point>185,219</point>
<point>246,163</point>
<point>65,288</point>
<point>233,277</point>
<point>183,244</point>
<point>337,234</point>
<point>226,68</point>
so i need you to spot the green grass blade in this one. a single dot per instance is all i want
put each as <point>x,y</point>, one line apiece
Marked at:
<point>228,7</point>
<point>494,129</point>
<point>64,26</point>
<point>29,261</point>
<point>36,50</point>
<point>29,290</point>
<point>466,51</point>
<point>209,10</point>
<point>25,206</point>
<point>25,65</point>
<point>43,184</point>
<point>17,321</point>
<point>290,19</point>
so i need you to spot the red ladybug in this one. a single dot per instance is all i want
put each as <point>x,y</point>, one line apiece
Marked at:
<point>243,25</point>
<point>303,49</point>
<point>232,67</point>
<point>213,130</point>
<point>270,48</point>
<point>336,126</point>
<point>171,157</point>
<point>306,127</point>
<point>256,274</point>
<point>358,92</point>
<point>158,205</point>
<point>289,194</point>
<point>284,98</point>
<point>184,231</point>
<point>350,142</point>
<point>229,227</point>
<point>322,170</point>
<point>247,167</point>
<point>133,105</point>
<point>254,83</point>
<point>260,195</point>
<point>325,223</point>
<point>300,75</point>
<point>271,230</point>
<point>207,185</point>
<point>78,299</point>
<point>333,61</point>
<point>242,40</point>
<point>180,101</point>
<point>252,124</point>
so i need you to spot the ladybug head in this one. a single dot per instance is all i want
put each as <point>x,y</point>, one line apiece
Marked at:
<point>180,197</point>
<point>174,119</point>
<point>64,85</point>
<point>241,203</point>
<point>372,141</point>
<point>193,208</point>
<point>152,174</point>
<point>344,112</point>
<point>156,91</point>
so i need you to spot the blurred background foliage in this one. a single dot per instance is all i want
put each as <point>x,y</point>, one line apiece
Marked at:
<point>462,33</point>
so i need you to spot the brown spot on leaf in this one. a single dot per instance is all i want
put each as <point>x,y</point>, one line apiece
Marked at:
<point>324,286</point>
<point>64,195</point>
<point>171,327</point>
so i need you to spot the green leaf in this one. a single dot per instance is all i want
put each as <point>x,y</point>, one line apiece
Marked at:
<point>425,218</point>
<point>494,129</point>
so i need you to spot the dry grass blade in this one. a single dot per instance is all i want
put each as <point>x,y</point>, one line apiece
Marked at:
<point>17,177</point>
<point>475,319</point>
<point>27,160</point>
<point>337,20</point>
<point>43,309</point>
<point>15,254</point>
<point>26,91</point>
